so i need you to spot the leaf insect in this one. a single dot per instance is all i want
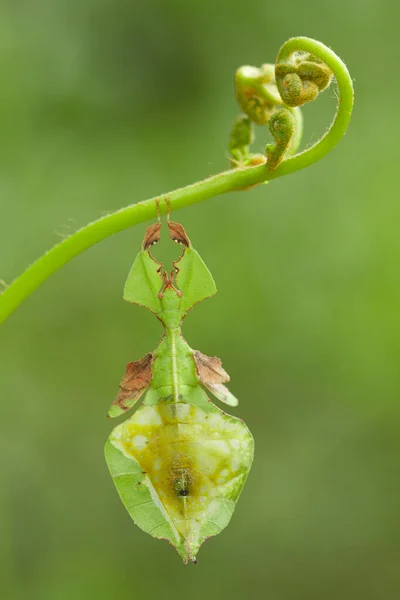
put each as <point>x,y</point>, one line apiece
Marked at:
<point>179,463</point>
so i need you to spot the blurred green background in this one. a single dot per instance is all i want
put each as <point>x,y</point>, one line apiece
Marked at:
<point>107,103</point>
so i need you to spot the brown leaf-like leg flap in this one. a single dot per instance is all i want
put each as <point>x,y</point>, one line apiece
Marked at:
<point>212,375</point>
<point>178,234</point>
<point>210,369</point>
<point>136,379</point>
<point>152,235</point>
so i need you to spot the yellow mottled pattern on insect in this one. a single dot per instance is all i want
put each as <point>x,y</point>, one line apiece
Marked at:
<point>192,461</point>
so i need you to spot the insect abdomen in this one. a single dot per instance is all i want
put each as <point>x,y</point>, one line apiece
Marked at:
<point>195,462</point>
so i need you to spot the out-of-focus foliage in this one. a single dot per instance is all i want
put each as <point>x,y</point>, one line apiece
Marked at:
<point>106,103</point>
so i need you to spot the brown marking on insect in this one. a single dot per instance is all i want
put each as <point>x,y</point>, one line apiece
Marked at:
<point>152,235</point>
<point>209,369</point>
<point>178,234</point>
<point>169,279</point>
<point>159,264</point>
<point>137,377</point>
<point>181,481</point>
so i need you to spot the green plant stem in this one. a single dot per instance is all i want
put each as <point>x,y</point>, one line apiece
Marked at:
<point>237,179</point>
<point>298,132</point>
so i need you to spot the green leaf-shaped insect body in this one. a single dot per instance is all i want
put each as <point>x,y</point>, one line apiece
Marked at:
<point>179,463</point>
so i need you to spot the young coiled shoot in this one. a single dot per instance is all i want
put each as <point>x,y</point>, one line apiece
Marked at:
<point>271,95</point>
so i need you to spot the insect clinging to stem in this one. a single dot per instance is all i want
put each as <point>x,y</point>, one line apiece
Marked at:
<point>179,462</point>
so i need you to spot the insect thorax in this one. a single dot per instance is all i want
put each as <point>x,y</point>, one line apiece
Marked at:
<point>170,304</point>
